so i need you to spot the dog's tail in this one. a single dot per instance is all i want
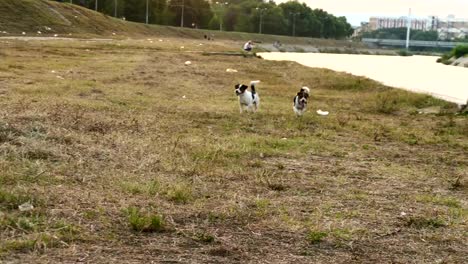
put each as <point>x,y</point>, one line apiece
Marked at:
<point>252,86</point>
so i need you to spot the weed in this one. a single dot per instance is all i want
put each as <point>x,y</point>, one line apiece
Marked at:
<point>315,237</point>
<point>144,222</point>
<point>203,237</point>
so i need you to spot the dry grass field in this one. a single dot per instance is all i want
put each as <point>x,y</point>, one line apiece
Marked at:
<point>130,156</point>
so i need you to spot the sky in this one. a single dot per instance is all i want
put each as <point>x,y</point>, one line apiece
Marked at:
<point>357,11</point>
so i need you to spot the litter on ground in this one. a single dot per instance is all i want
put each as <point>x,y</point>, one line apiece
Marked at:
<point>26,207</point>
<point>188,63</point>
<point>322,113</point>
<point>231,70</point>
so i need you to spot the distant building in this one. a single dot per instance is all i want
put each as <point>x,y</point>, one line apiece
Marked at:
<point>376,23</point>
<point>447,28</point>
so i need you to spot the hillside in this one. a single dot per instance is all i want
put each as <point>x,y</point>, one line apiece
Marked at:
<point>31,16</point>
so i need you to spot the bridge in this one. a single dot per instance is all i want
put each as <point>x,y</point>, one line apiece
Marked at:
<point>413,43</point>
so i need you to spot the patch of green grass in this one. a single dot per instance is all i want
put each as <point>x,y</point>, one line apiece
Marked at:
<point>11,200</point>
<point>145,222</point>
<point>439,200</point>
<point>203,237</point>
<point>179,193</point>
<point>315,237</point>
<point>393,100</point>
<point>423,222</point>
<point>149,188</point>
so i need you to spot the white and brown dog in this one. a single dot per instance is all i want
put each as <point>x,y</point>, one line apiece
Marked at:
<point>300,101</point>
<point>248,100</point>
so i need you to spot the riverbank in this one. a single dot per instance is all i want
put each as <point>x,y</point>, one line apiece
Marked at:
<point>415,73</point>
<point>119,151</point>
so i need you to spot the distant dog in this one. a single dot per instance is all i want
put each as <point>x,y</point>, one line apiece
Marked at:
<point>300,101</point>
<point>248,100</point>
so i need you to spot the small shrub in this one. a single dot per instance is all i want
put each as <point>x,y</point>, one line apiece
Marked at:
<point>144,222</point>
<point>405,53</point>
<point>460,51</point>
<point>315,237</point>
<point>386,102</point>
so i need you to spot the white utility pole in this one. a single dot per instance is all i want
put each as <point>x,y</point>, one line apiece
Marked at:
<point>409,30</point>
<point>261,19</point>
<point>96,5</point>
<point>147,12</point>
<point>115,8</point>
<point>182,16</point>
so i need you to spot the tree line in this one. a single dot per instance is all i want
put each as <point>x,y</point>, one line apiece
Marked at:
<point>289,18</point>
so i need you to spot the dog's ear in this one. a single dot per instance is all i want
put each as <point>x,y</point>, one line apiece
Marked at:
<point>237,86</point>
<point>244,87</point>
<point>306,95</point>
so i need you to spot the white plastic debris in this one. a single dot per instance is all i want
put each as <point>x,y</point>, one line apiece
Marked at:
<point>55,35</point>
<point>184,97</point>
<point>60,77</point>
<point>52,71</point>
<point>26,207</point>
<point>113,33</point>
<point>39,32</point>
<point>402,213</point>
<point>231,70</point>
<point>322,113</point>
<point>47,28</point>
<point>284,139</point>
<point>160,40</point>
<point>24,33</point>
<point>182,47</point>
<point>200,44</point>
<point>188,63</point>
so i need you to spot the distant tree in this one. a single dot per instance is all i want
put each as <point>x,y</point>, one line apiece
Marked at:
<point>235,15</point>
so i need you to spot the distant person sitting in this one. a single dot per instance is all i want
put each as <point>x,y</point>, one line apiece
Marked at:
<point>248,46</point>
